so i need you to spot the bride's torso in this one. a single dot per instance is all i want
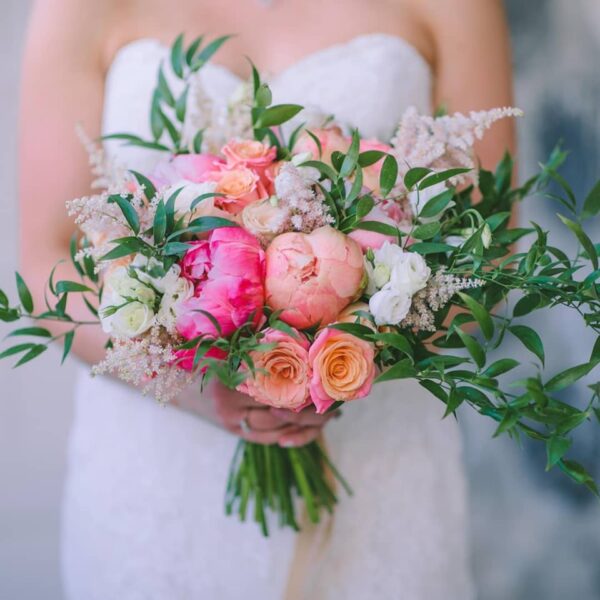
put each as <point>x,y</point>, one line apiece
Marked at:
<point>144,494</point>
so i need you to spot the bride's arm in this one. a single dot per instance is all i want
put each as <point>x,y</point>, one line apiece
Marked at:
<point>473,65</point>
<point>62,85</point>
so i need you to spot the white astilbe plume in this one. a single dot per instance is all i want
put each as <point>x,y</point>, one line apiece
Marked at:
<point>102,221</point>
<point>296,193</point>
<point>107,171</point>
<point>446,142</point>
<point>146,363</point>
<point>433,297</point>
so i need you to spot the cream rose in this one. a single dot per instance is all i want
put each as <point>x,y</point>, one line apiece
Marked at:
<point>389,306</point>
<point>264,219</point>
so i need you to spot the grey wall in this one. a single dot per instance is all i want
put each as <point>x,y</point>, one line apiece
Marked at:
<point>534,535</point>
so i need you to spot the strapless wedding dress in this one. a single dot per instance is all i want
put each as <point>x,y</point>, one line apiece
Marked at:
<point>143,513</point>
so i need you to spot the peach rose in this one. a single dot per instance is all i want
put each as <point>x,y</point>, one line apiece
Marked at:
<point>331,140</point>
<point>282,374</point>
<point>249,153</point>
<point>343,368</point>
<point>239,187</point>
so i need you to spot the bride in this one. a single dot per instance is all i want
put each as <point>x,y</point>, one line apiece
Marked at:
<point>143,511</point>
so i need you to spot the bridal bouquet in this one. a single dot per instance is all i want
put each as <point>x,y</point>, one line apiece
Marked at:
<point>302,264</point>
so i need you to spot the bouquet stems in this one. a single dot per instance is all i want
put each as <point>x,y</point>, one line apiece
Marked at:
<point>271,478</point>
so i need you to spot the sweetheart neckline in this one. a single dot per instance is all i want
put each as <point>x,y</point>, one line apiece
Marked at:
<point>306,59</point>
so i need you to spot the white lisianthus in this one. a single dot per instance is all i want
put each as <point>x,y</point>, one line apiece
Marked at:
<point>418,199</point>
<point>177,291</point>
<point>130,321</point>
<point>123,286</point>
<point>189,192</point>
<point>411,274</point>
<point>389,306</point>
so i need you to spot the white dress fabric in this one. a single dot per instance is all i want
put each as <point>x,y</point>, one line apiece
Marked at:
<point>143,514</point>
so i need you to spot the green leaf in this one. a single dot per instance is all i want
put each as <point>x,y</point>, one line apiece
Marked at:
<point>34,331</point>
<point>157,125</point>
<point>159,227</point>
<point>431,248</point>
<point>436,205</point>
<point>351,158</point>
<point>481,314</point>
<point>198,139</point>
<point>370,157</point>
<point>128,211</point>
<point>454,401</point>
<point>526,305</point>
<point>556,448</point>
<point>435,389</point>
<point>177,56</point>
<point>388,175</point>
<point>414,175</point>
<point>501,366</point>
<point>440,177</point>
<point>181,105</point>
<point>317,142</point>
<point>68,345</point>
<point>401,370</point>
<point>356,329</point>
<point>378,227</point>
<point>276,115</point>
<point>33,353</point>
<point>72,254</point>
<point>473,347</point>
<point>322,168</point>
<point>24,294</point>
<point>145,184</point>
<point>3,299</point>
<point>584,240</point>
<point>510,419</point>
<point>175,248</point>
<point>263,96</point>
<point>171,129</point>
<point>569,376</point>
<point>364,207</point>
<point>163,88</point>
<point>124,249</point>
<point>170,209</point>
<point>530,339</point>
<point>208,51</point>
<point>578,473</point>
<point>426,231</point>
<point>191,51</point>
<point>16,350</point>
<point>204,224</point>
<point>64,287</point>
<point>591,205</point>
<point>396,341</point>
<point>203,197</point>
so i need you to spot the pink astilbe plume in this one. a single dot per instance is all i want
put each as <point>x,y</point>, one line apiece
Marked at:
<point>444,142</point>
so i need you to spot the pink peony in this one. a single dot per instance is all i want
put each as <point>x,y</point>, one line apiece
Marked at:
<point>343,368</point>
<point>312,277</point>
<point>282,374</point>
<point>227,273</point>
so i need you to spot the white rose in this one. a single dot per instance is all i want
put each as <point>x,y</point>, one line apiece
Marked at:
<point>410,274</point>
<point>177,292</point>
<point>263,219</point>
<point>189,192</point>
<point>385,260</point>
<point>144,267</point>
<point>131,320</point>
<point>389,306</point>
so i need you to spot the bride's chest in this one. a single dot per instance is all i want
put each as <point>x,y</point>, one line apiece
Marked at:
<point>367,83</point>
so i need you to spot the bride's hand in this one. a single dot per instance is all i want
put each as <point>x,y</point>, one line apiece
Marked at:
<point>254,422</point>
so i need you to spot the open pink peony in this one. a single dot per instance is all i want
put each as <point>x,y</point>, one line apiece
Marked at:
<point>227,273</point>
<point>313,277</point>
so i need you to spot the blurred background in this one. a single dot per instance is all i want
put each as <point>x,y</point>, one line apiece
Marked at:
<point>534,535</point>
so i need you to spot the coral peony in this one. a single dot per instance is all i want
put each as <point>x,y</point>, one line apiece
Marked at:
<point>312,277</point>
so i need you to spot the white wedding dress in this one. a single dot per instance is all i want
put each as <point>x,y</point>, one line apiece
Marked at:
<point>143,513</point>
